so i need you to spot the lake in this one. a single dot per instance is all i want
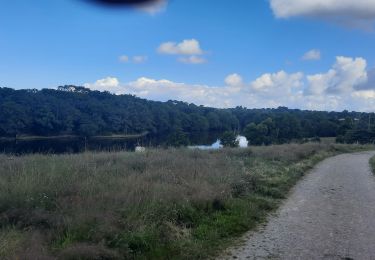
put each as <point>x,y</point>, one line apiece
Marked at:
<point>203,140</point>
<point>243,143</point>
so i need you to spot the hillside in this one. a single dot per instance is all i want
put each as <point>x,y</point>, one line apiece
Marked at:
<point>72,110</point>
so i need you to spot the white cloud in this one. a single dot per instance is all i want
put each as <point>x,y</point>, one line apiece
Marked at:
<point>361,9</point>
<point>234,80</point>
<point>140,59</point>
<point>124,58</point>
<point>365,94</point>
<point>339,88</point>
<point>110,84</point>
<point>186,47</point>
<point>345,74</point>
<point>336,89</point>
<point>312,55</point>
<point>370,83</point>
<point>277,83</point>
<point>351,12</point>
<point>190,51</point>
<point>135,59</point>
<point>192,60</point>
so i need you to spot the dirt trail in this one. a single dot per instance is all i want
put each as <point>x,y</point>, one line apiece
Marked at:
<point>329,215</point>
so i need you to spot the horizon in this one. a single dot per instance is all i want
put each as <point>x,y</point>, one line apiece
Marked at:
<point>225,55</point>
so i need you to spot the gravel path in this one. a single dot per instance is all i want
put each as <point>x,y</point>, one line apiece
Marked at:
<point>329,215</point>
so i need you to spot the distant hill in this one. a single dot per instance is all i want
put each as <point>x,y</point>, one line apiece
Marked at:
<point>72,110</point>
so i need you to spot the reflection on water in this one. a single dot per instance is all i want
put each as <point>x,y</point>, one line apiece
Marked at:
<point>243,143</point>
<point>78,145</point>
<point>67,145</point>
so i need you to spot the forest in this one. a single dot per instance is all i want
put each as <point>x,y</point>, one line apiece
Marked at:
<point>78,111</point>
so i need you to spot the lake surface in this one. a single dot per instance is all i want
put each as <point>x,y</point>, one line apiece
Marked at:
<point>243,143</point>
<point>78,145</point>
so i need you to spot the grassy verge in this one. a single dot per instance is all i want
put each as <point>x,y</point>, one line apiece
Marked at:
<point>372,164</point>
<point>162,204</point>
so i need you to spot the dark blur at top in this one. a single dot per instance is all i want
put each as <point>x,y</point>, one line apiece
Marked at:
<point>124,3</point>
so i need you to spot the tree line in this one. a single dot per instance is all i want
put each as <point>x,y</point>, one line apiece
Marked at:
<point>75,110</point>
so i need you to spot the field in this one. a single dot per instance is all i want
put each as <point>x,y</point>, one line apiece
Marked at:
<point>162,204</point>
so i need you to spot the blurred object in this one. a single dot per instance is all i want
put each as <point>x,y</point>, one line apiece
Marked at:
<point>140,149</point>
<point>148,6</point>
<point>125,2</point>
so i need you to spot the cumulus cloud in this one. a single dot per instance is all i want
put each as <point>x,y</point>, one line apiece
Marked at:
<point>341,87</point>
<point>186,47</point>
<point>370,83</point>
<point>345,75</point>
<point>110,84</point>
<point>163,90</point>
<point>312,55</point>
<point>234,80</point>
<point>273,83</point>
<point>336,89</point>
<point>190,51</point>
<point>348,11</point>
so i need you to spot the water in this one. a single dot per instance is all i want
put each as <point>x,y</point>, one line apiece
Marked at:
<point>66,145</point>
<point>79,145</point>
<point>243,143</point>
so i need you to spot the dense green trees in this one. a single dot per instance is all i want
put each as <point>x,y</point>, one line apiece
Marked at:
<point>79,111</point>
<point>229,139</point>
<point>72,110</point>
<point>178,139</point>
<point>258,134</point>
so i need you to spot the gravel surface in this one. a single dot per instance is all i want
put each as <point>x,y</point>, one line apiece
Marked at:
<point>330,214</point>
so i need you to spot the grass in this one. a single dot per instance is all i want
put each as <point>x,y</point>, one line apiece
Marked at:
<point>10,240</point>
<point>372,164</point>
<point>162,204</point>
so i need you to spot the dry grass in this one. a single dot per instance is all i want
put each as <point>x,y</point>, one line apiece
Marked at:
<point>159,204</point>
<point>10,241</point>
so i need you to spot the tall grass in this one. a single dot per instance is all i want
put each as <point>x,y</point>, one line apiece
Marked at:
<point>162,204</point>
<point>372,164</point>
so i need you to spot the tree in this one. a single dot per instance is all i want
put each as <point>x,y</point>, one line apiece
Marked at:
<point>213,121</point>
<point>229,139</point>
<point>178,138</point>
<point>198,123</point>
<point>261,134</point>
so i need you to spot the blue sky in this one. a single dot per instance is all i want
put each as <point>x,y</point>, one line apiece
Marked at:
<point>256,53</point>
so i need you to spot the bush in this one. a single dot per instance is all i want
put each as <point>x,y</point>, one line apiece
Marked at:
<point>229,139</point>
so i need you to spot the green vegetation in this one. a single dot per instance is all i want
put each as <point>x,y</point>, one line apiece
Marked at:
<point>372,164</point>
<point>229,139</point>
<point>77,111</point>
<point>161,204</point>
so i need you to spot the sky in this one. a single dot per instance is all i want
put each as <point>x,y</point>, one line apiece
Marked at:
<point>306,54</point>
